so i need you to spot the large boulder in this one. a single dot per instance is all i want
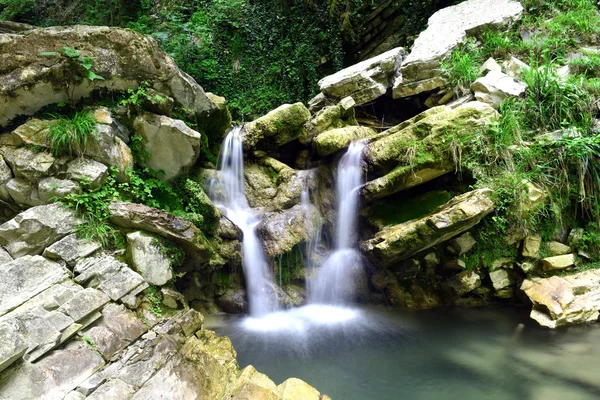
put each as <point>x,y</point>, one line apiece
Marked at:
<point>364,81</point>
<point>123,57</point>
<point>146,256</point>
<point>330,117</point>
<point>446,29</point>
<point>278,127</point>
<point>165,224</point>
<point>28,164</point>
<point>173,147</point>
<point>417,150</point>
<point>398,242</point>
<point>558,301</point>
<point>281,231</point>
<point>30,232</point>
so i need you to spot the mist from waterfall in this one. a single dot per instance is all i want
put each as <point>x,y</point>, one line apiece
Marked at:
<point>334,283</point>
<point>229,194</point>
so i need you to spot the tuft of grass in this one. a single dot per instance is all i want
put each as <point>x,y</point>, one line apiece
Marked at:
<point>70,135</point>
<point>462,68</point>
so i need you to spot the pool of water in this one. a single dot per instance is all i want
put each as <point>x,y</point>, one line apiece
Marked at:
<point>368,353</point>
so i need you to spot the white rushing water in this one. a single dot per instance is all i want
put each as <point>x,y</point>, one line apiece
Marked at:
<point>230,196</point>
<point>335,280</point>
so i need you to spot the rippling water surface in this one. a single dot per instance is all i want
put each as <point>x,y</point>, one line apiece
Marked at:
<point>351,353</point>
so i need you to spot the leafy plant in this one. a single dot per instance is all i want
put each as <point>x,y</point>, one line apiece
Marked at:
<point>462,68</point>
<point>154,297</point>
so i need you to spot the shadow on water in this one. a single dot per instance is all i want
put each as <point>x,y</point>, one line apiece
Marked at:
<point>370,353</point>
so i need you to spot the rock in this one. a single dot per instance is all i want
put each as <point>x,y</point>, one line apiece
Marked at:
<point>167,225</point>
<point>12,345</point>
<point>424,137</point>
<point>501,279</point>
<point>4,256</point>
<point>430,263</point>
<point>496,86</point>
<point>364,81</point>
<point>160,103</point>
<point>33,230</point>
<point>71,249</point>
<point>531,246</point>
<point>215,135</point>
<point>233,301</point>
<point>51,188</point>
<point>278,127</point>
<point>464,282</point>
<point>454,265</point>
<point>123,57</point>
<point>490,65</point>
<point>144,252</point>
<point>559,301</point>
<point>280,232</point>
<point>173,147</point>
<point>23,192</point>
<point>514,66</point>
<point>334,140</point>
<point>5,176</point>
<point>84,303</point>
<point>28,164</point>
<point>398,242</point>
<point>534,199</point>
<point>446,29</point>
<point>25,277</point>
<point>295,389</point>
<point>330,117</point>
<point>463,243</point>
<point>87,171</point>
<point>173,299</point>
<point>558,262</point>
<point>558,249</point>
<point>407,269</point>
<point>576,237</point>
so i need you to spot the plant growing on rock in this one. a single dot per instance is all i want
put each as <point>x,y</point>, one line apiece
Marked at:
<point>70,135</point>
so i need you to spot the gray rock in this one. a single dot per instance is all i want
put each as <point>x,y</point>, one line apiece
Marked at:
<point>50,188</point>
<point>576,237</point>
<point>446,29</point>
<point>94,270</point>
<point>124,58</point>
<point>4,256</point>
<point>5,176</point>
<point>514,66</point>
<point>86,170</point>
<point>172,145</point>
<point>144,252</point>
<point>121,283</point>
<point>490,65</point>
<point>531,246</point>
<point>124,323</point>
<point>25,277</point>
<point>84,303</point>
<point>558,249</point>
<point>71,249</point>
<point>12,345</point>
<point>113,389</point>
<point>23,192</point>
<point>501,279</point>
<point>233,301</point>
<point>558,301</point>
<point>138,216</point>
<point>35,229</point>
<point>28,164</point>
<point>496,87</point>
<point>172,298</point>
<point>463,243</point>
<point>366,80</point>
<point>464,282</point>
<point>454,265</point>
<point>558,262</point>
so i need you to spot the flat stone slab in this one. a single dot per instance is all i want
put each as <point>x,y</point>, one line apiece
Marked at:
<point>71,249</point>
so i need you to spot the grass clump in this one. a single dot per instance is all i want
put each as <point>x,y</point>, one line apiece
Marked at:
<point>462,68</point>
<point>70,135</point>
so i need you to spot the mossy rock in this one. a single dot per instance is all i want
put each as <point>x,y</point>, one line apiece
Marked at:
<point>334,140</point>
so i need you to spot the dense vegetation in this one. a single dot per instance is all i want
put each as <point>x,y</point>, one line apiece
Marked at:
<point>548,138</point>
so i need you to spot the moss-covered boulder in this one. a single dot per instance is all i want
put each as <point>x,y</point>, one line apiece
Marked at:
<point>35,75</point>
<point>330,117</point>
<point>278,127</point>
<point>334,140</point>
<point>398,242</point>
<point>422,148</point>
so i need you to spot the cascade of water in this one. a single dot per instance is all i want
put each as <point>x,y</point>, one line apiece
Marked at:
<point>334,282</point>
<point>230,196</point>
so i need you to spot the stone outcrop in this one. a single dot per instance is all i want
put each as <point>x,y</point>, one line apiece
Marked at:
<point>464,282</point>
<point>446,29</point>
<point>281,231</point>
<point>172,146</point>
<point>35,229</point>
<point>278,127</point>
<point>337,139</point>
<point>144,252</point>
<point>559,301</point>
<point>398,242</point>
<point>331,117</point>
<point>495,87</point>
<point>165,224</point>
<point>364,81</point>
<point>124,58</point>
<point>417,151</point>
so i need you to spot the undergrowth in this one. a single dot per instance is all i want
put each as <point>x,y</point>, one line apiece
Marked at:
<point>69,135</point>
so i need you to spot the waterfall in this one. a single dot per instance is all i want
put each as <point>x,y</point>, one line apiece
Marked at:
<point>334,283</point>
<point>230,196</point>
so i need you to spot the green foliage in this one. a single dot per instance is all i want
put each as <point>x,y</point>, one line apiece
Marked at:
<point>462,68</point>
<point>490,246</point>
<point>91,344</point>
<point>154,297</point>
<point>70,135</point>
<point>172,251</point>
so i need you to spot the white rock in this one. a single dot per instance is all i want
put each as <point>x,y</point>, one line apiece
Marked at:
<point>495,87</point>
<point>144,251</point>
